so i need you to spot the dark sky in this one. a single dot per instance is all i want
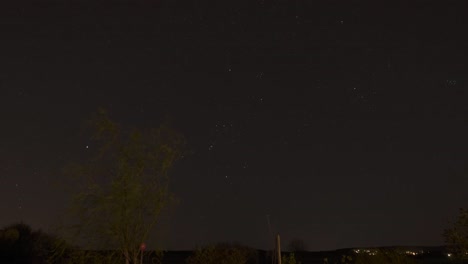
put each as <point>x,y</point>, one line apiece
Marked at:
<point>343,124</point>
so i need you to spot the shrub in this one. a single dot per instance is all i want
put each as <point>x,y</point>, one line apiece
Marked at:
<point>290,259</point>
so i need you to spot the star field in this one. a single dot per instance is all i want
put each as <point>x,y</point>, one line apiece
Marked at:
<point>342,125</point>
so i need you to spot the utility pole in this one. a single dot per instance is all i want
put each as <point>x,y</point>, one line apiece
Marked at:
<point>278,248</point>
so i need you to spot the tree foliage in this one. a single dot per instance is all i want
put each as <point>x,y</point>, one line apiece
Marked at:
<point>123,186</point>
<point>289,259</point>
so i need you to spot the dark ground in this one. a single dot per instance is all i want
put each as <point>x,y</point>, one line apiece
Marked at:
<point>430,255</point>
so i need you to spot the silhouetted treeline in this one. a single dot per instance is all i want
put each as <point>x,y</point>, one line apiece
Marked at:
<point>20,244</point>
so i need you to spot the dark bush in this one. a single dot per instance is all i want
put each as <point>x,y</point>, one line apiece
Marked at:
<point>20,244</point>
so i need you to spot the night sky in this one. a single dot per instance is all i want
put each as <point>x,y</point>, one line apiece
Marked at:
<point>344,125</point>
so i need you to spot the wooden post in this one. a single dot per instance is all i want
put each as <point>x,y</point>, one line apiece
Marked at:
<point>278,248</point>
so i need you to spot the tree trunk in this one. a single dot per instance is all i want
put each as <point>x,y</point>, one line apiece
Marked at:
<point>127,257</point>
